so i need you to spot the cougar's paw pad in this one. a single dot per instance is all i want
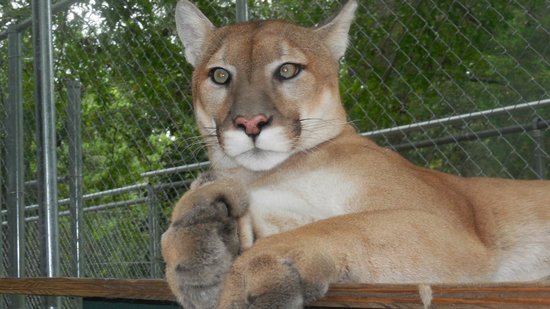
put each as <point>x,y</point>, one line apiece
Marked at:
<point>266,281</point>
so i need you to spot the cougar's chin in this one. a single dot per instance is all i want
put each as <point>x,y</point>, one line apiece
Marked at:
<point>261,160</point>
<point>269,149</point>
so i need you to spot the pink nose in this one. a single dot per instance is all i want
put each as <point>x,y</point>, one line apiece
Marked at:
<point>251,126</point>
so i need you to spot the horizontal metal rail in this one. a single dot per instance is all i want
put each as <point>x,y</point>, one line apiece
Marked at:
<point>120,190</point>
<point>539,125</point>
<point>177,169</point>
<point>111,192</point>
<point>457,118</point>
<point>182,183</point>
<point>95,208</point>
<point>95,195</point>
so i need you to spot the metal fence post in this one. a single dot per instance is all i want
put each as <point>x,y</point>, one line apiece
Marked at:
<point>76,203</point>
<point>538,151</point>
<point>154,232</point>
<point>75,172</point>
<point>242,10</point>
<point>14,165</point>
<point>47,170</point>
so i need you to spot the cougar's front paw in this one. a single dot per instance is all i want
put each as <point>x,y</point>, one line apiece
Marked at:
<point>274,280</point>
<point>202,242</point>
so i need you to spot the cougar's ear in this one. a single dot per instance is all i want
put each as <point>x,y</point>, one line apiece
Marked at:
<point>193,28</point>
<point>334,32</point>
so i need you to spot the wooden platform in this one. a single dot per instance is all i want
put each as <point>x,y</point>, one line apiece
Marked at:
<point>524,295</point>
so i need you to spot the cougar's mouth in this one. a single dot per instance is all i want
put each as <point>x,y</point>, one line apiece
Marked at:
<point>262,152</point>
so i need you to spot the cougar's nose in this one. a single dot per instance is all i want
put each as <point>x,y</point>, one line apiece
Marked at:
<point>251,126</point>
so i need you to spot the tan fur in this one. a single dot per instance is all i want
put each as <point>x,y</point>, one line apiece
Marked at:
<point>308,202</point>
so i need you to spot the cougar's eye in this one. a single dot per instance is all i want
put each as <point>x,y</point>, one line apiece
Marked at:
<point>288,70</point>
<point>219,76</point>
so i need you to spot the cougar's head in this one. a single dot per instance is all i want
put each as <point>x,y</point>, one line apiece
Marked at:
<point>264,90</point>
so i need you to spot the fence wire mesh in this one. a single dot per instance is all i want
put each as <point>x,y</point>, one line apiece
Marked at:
<point>408,62</point>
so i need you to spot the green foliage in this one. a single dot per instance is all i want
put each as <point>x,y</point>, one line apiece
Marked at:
<point>12,11</point>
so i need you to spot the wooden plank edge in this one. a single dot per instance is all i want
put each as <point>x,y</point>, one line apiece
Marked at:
<point>144,289</point>
<point>350,295</point>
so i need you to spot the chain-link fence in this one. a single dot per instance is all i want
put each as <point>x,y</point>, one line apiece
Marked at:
<point>460,86</point>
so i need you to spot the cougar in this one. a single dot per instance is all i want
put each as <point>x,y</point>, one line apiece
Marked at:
<point>296,199</point>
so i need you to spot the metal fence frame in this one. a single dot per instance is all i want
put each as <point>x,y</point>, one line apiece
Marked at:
<point>47,181</point>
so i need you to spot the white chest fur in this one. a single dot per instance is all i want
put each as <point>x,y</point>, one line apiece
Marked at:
<point>297,200</point>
